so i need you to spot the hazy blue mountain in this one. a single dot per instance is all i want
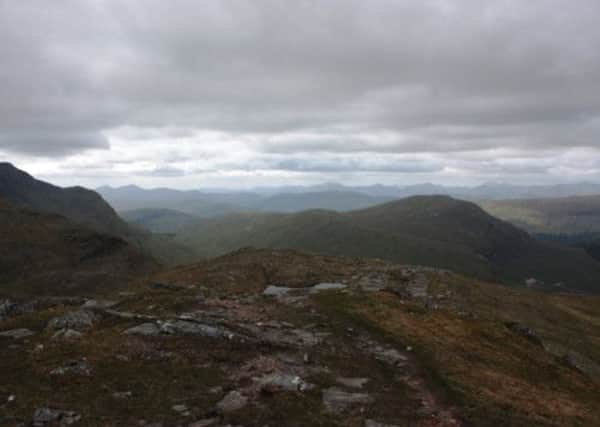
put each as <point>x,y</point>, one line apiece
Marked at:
<point>215,202</point>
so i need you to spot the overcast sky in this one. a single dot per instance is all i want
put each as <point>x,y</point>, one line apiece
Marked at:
<point>191,94</point>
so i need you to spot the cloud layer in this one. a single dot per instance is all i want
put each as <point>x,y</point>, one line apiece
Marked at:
<point>185,93</point>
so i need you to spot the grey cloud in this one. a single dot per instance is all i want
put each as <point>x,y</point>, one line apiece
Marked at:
<point>351,165</point>
<point>303,77</point>
<point>164,171</point>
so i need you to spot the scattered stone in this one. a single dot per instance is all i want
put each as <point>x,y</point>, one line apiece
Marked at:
<point>216,390</point>
<point>352,382</point>
<point>185,327</point>
<point>181,410</point>
<point>78,320</point>
<point>327,286</point>
<point>524,331</point>
<point>11,398</point>
<point>17,333</point>
<point>276,291</point>
<point>122,395</point>
<point>145,329</point>
<point>233,401</point>
<point>98,304</point>
<point>372,282</point>
<point>336,400</point>
<point>286,337</point>
<point>283,382</point>
<point>127,315</point>
<point>67,334</point>
<point>43,417</point>
<point>390,356</point>
<point>74,367</point>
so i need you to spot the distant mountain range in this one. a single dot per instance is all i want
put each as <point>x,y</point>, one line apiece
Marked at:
<point>428,230</point>
<point>331,196</point>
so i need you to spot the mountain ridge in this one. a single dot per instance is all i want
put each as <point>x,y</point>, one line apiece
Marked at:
<point>427,230</point>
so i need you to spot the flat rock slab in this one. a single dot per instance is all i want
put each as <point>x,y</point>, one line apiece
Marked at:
<point>337,400</point>
<point>78,320</point>
<point>276,291</point>
<point>233,401</point>
<point>179,327</point>
<point>67,334</point>
<point>17,333</point>
<point>75,367</point>
<point>92,304</point>
<point>282,382</point>
<point>184,327</point>
<point>327,286</point>
<point>145,329</point>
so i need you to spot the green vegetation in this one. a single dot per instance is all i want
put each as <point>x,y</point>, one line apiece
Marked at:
<point>557,216</point>
<point>429,230</point>
<point>158,220</point>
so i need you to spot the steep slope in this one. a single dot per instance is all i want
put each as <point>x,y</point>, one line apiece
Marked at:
<point>427,230</point>
<point>87,208</point>
<point>45,253</point>
<point>76,203</point>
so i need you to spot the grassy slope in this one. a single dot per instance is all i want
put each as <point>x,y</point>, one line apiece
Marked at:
<point>493,376</point>
<point>569,215</point>
<point>158,220</point>
<point>436,231</point>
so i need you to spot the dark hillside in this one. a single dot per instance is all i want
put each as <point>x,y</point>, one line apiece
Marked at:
<point>48,254</point>
<point>429,230</point>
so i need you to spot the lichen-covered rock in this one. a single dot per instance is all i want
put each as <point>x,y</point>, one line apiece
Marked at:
<point>43,417</point>
<point>67,334</point>
<point>145,329</point>
<point>283,382</point>
<point>74,367</point>
<point>17,333</point>
<point>78,320</point>
<point>233,401</point>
